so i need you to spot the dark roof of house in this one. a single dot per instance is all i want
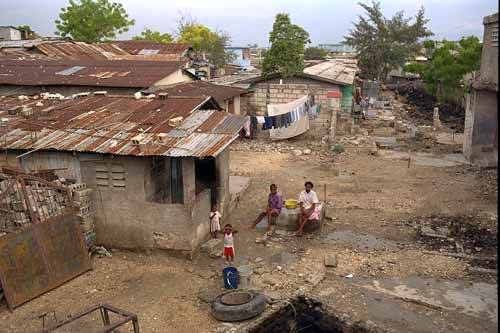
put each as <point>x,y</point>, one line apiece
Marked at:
<point>262,78</point>
<point>119,125</point>
<point>105,73</point>
<point>203,88</point>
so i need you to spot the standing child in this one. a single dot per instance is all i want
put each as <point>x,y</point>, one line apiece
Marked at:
<point>229,242</point>
<point>214,221</point>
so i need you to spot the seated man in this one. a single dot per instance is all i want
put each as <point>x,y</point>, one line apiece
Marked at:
<point>309,207</point>
<point>274,205</point>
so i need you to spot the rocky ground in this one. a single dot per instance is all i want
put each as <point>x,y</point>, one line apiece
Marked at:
<point>382,256</point>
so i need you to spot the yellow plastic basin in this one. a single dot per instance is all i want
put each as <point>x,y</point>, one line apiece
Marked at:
<point>291,203</point>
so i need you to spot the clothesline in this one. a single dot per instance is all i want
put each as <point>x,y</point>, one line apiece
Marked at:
<point>288,118</point>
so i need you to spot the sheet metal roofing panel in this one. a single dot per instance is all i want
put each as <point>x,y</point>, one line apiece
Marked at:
<point>137,46</point>
<point>108,124</point>
<point>340,70</point>
<point>200,144</point>
<point>230,125</point>
<point>198,88</point>
<point>106,73</point>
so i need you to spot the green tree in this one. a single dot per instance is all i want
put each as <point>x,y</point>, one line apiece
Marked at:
<point>27,32</point>
<point>286,54</point>
<point>155,36</point>
<point>92,20</point>
<point>206,43</point>
<point>315,53</point>
<point>448,64</point>
<point>383,44</point>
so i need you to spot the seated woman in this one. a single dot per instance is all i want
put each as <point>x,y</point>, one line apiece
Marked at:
<point>273,209</point>
<point>309,207</point>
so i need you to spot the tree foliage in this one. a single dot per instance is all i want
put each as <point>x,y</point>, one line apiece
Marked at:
<point>383,44</point>
<point>92,20</point>
<point>444,72</point>
<point>206,43</point>
<point>315,53</point>
<point>286,54</point>
<point>26,30</point>
<point>155,36</point>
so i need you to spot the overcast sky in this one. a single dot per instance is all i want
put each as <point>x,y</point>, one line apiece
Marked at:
<point>327,21</point>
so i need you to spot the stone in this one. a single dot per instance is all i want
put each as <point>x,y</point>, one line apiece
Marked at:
<point>259,259</point>
<point>307,151</point>
<point>297,152</point>
<point>215,253</point>
<point>331,260</point>
<point>315,278</point>
<point>210,245</point>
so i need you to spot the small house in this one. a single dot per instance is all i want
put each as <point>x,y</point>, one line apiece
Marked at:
<point>155,164</point>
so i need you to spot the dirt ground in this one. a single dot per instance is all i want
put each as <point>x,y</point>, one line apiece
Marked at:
<point>370,200</point>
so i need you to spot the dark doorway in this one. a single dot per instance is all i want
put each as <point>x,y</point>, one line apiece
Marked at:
<point>206,177</point>
<point>177,187</point>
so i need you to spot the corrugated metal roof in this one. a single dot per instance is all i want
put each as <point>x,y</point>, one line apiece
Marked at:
<point>80,50</point>
<point>140,46</point>
<point>339,70</point>
<point>200,88</point>
<point>106,73</point>
<point>108,124</point>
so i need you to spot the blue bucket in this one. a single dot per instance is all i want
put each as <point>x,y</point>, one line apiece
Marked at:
<point>231,277</point>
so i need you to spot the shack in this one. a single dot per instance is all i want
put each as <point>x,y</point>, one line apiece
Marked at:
<point>155,165</point>
<point>330,83</point>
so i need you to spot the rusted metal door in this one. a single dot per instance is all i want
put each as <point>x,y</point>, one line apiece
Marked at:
<point>40,258</point>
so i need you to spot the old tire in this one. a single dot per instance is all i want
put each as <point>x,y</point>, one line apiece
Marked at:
<point>253,307</point>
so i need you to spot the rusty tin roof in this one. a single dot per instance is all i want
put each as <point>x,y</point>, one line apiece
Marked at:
<point>196,88</point>
<point>111,125</point>
<point>105,73</point>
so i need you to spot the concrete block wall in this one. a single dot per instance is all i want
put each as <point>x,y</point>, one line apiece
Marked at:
<point>283,93</point>
<point>481,128</point>
<point>123,217</point>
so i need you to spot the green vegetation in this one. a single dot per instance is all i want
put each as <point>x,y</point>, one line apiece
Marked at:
<point>315,53</point>
<point>286,54</point>
<point>205,42</point>
<point>155,36</point>
<point>444,72</point>
<point>92,20</point>
<point>383,44</point>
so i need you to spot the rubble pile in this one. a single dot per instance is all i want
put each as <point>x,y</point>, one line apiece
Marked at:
<point>423,104</point>
<point>270,146</point>
<point>469,234</point>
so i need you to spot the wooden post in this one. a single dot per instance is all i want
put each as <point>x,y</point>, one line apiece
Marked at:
<point>324,193</point>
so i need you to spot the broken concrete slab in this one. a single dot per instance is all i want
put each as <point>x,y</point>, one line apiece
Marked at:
<point>388,142</point>
<point>476,299</point>
<point>360,241</point>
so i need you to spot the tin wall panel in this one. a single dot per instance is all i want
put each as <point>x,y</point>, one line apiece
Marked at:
<point>41,258</point>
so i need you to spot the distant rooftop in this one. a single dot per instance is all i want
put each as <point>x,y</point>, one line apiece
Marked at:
<point>339,47</point>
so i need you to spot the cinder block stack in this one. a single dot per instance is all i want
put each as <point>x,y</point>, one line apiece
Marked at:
<point>46,201</point>
<point>81,200</point>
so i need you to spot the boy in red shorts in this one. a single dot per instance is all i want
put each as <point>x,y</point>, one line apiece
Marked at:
<point>229,242</point>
